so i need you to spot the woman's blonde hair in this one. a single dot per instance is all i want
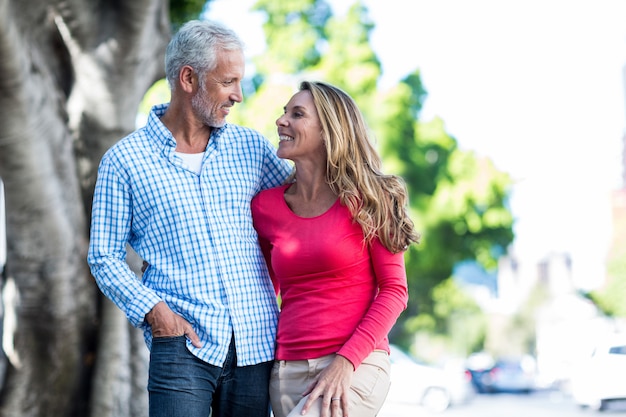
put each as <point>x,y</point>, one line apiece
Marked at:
<point>378,202</point>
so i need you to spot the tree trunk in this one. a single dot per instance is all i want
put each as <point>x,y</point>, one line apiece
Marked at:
<point>72,74</point>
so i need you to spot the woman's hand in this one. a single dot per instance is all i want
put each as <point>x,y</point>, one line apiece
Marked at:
<point>333,385</point>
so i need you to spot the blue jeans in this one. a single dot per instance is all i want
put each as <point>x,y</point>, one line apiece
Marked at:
<point>180,384</point>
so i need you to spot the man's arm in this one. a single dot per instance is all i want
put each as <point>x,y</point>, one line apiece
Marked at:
<point>110,231</point>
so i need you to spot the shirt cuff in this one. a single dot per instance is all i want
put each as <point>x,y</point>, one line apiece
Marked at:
<point>140,306</point>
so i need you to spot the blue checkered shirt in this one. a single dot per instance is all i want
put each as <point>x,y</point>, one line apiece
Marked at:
<point>195,231</point>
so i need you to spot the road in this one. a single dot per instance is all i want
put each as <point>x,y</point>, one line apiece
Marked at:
<point>540,404</point>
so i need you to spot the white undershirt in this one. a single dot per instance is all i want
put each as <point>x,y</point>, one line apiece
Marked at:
<point>193,161</point>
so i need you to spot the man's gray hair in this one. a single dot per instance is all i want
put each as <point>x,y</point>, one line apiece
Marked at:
<point>196,44</point>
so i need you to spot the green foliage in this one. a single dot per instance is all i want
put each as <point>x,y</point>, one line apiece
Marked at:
<point>417,94</point>
<point>293,31</point>
<point>456,325</point>
<point>348,60</point>
<point>459,200</point>
<point>182,11</point>
<point>458,316</point>
<point>417,151</point>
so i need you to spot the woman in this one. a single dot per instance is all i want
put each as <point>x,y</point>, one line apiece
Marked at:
<point>333,237</point>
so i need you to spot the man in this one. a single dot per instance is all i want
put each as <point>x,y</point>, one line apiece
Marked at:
<point>178,191</point>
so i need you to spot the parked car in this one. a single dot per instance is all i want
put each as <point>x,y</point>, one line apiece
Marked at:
<point>434,388</point>
<point>599,378</point>
<point>512,374</point>
<point>478,366</point>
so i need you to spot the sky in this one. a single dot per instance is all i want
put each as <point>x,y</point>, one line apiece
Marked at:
<point>535,85</point>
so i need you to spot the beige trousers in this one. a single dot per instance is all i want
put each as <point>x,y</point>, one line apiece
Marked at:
<point>370,385</point>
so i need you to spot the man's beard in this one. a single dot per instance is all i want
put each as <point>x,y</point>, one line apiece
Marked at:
<point>203,107</point>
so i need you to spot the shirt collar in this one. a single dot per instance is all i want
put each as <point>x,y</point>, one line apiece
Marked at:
<point>163,135</point>
<point>160,133</point>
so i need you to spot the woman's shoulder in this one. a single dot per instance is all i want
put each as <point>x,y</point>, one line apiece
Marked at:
<point>271,195</point>
<point>275,192</point>
<point>267,204</point>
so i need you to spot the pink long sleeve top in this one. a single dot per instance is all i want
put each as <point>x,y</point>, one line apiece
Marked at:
<point>338,294</point>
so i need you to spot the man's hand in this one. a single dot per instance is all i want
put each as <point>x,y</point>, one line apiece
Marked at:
<point>166,323</point>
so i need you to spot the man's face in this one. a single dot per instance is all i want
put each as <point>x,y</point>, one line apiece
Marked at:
<point>220,89</point>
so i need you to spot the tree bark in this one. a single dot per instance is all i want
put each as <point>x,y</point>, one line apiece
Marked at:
<point>72,75</point>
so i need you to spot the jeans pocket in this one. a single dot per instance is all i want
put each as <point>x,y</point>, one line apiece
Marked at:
<point>167,350</point>
<point>166,339</point>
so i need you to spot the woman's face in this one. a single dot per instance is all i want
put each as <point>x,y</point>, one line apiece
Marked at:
<point>299,129</point>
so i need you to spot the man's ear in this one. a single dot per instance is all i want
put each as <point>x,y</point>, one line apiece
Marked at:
<point>188,79</point>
